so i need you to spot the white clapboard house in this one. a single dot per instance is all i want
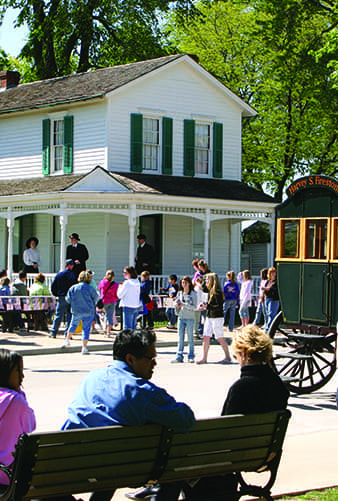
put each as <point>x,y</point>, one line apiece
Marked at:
<point>152,147</point>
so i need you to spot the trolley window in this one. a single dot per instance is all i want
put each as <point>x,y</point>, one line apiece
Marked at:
<point>316,238</point>
<point>335,239</point>
<point>289,238</point>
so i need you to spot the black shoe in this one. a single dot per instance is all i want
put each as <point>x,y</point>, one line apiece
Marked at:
<point>52,335</point>
<point>144,492</point>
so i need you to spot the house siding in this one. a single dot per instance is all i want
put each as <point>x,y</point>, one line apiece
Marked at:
<point>180,93</point>
<point>21,141</point>
<point>177,235</point>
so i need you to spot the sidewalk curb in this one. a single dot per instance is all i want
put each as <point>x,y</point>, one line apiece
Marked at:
<point>77,349</point>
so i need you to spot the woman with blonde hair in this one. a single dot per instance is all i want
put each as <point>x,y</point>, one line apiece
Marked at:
<point>82,298</point>
<point>258,390</point>
<point>214,321</point>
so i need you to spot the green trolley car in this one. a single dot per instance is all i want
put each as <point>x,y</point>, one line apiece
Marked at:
<point>305,330</point>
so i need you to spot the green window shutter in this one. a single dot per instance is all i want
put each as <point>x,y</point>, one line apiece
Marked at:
<point>189,148</point>
<point>167,146</point>
<point>136,142</point>
<point>68,134</point>
<point>217,166</point>
<point>45,146</point>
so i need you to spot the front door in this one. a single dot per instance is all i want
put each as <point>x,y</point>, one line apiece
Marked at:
<point>152,226</point>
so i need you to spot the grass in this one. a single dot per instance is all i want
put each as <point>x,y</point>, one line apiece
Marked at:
<point>324,495</point>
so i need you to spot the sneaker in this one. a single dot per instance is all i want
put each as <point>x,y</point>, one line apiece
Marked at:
<point>65,344</point>
<point>52,336</point>
<point>191,361</point>
<point>85,351</point>
<point>177,361</point>
<point>144,493</point>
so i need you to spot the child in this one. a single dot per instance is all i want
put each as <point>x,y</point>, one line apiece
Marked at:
<point>171,290</point>
<point>186,304</point>
<point>231,298</point>
<point>200,315</point>
<point>146,286</point>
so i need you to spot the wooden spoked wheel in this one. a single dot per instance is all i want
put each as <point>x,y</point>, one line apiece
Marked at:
<point>305,362</point>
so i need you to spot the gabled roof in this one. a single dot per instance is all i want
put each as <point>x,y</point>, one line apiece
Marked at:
<point>93,84</point>
<point>219,189</point>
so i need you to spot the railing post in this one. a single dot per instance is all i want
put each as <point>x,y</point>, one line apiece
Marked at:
<point>10,226</point>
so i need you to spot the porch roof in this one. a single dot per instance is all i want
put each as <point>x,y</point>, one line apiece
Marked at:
<point>178,186</point>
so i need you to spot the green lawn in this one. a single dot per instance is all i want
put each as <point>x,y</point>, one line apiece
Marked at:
<point>324,495</point>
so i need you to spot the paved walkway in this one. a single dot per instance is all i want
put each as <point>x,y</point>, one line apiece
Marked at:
<point>310,454</point>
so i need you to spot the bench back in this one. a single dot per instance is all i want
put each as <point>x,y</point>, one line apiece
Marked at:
<point>76,461</point>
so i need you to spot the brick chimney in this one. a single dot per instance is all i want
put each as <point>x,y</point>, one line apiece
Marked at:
<point>9,79</point>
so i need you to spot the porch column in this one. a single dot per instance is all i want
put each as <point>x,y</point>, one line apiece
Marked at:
<point>132,241</point>
<point>235,246</point>
<point>10,226</point>
<point>63,225</point>
<point>206,226</point>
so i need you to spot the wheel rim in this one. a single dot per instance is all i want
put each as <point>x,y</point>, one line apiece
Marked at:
<point>305,363</point>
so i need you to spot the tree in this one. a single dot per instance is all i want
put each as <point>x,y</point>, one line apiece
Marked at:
<point>76,35</point>
<point>266,54</point>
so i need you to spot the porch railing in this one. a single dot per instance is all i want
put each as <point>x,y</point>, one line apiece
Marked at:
<point>158,281</point>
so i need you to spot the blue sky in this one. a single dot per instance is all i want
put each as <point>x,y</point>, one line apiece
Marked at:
<point>12,40</point>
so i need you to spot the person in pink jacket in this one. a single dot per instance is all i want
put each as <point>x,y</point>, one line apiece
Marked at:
<point>108,289</point>
<point>16,416</point>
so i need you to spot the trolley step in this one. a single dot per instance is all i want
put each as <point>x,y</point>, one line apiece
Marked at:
<point>306,337</point>
<point>293,356</point>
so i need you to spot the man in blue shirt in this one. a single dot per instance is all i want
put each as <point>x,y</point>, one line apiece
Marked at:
<point>123,394</point>
<point>60,286</point>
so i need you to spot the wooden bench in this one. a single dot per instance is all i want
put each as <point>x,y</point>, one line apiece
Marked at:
<point>97,459</point>
<point>30,306</point>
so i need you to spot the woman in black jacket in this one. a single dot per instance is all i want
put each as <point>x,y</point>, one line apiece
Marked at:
<point>214,321</point>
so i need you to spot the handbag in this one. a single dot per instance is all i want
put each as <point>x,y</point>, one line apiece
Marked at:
<point>99,303</point>
<point>150,305</point>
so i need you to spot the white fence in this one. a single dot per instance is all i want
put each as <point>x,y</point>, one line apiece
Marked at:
<point>158,281</point>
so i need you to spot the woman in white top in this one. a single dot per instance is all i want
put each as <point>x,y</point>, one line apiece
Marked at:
<point>244,277</point>
<point>31,256</point>
<point>129,295</point>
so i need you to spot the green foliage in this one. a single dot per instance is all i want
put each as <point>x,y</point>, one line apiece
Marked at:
<point>265,51</point>
<point>257,233</point>
<point>76,35</point>
<point>324,495</point>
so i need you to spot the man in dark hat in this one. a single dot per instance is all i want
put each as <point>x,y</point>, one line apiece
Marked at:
<point>78,253</point>
<point>145,257</point>
<point>60,286</point>
<point>31,256</point>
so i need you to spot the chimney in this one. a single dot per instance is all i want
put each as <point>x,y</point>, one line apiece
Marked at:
<point>9,79</point>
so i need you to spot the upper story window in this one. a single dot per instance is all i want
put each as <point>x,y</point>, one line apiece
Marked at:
<point>202,148</point>
<point>151,144</point>
<point>57,145</point>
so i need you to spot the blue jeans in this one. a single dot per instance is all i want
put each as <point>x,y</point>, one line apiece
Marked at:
<point>86,324</point>
<point>130,317</point>
<point>183,324</point>
<point>244,310</point>
<point>172,318</point>
<point>272,308</point>
<point>260,309</point>
<point>230,304</point>
<point>61,307</point>
<point>109,309</point>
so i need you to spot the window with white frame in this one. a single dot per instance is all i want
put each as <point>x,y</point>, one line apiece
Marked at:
<point>57,145</point>
<point>202,148</point>
<point>151,144</point>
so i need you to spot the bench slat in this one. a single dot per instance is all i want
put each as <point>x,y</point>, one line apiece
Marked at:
<point>238,443</point>
<point>93,448</point>
<point>214,435</point>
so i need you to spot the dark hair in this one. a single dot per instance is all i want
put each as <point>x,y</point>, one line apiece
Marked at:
<point>187,279</point>
<point>5,281</point>
<point>131,270</point>
<point>173,277</point>
<point>3,273</point>
<point>264,273</point>
<point>141,236</point>
<point>204,265</point>
<point>135,342</point>
<point>8,360</point>
<point>40,278</point>
<point>22,274</point>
